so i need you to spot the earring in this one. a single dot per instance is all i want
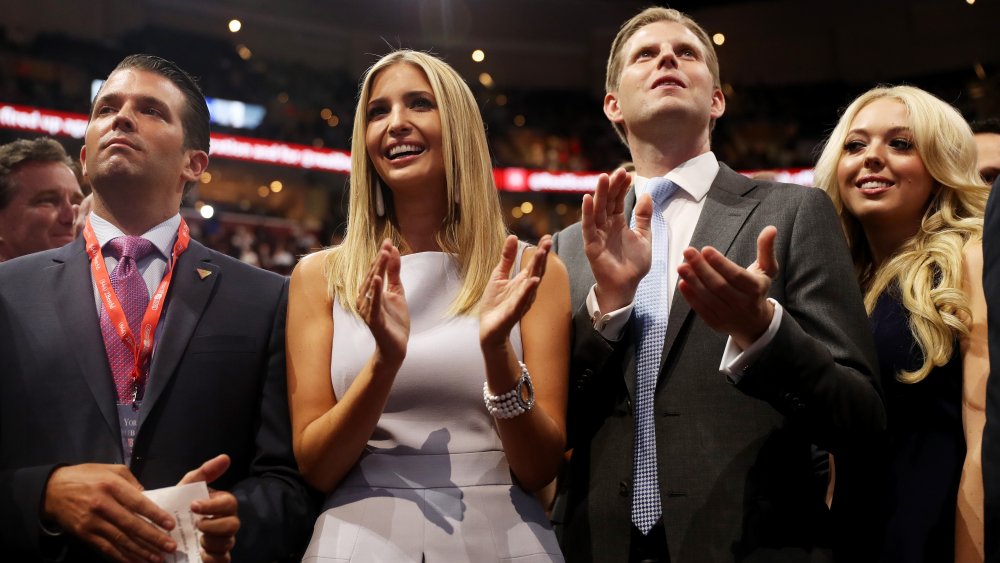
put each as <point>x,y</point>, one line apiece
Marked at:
<point>379,200</point>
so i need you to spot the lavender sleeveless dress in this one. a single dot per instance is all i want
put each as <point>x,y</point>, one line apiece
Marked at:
<point>433,483</point>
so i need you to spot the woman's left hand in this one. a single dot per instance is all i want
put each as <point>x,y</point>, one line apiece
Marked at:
<point>507,299</point>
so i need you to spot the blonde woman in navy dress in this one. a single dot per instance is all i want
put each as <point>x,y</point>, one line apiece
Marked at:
<point>440,405</point>
<point>901,169</point>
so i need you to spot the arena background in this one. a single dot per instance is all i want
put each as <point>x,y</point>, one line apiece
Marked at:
<point>284,86</point>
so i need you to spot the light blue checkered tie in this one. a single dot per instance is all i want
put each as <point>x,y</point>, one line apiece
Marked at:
<point>651,311</point>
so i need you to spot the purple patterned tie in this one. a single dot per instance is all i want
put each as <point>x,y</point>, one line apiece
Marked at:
<point>134,296</point>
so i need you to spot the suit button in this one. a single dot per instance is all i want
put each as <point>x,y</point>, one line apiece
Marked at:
<point>623,489</point>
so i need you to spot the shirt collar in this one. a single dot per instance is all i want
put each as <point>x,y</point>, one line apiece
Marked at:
<point>162,236</point>
<point>694,176</point>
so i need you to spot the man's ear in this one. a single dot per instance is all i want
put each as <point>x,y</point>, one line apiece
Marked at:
<point>83,161</point>
<point>718,104</point>
<point>611,108</point>
<point>195,164</point>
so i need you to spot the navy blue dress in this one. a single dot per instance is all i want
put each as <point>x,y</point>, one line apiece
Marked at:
<point>926,446</point>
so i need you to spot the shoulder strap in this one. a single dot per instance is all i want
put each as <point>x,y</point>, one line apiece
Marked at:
<point>521,245</point>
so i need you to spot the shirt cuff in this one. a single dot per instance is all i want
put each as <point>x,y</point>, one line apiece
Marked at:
<point>735,361</point>
<point>609,325</point>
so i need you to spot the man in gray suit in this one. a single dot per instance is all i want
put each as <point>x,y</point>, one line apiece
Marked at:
<point>693,417</point>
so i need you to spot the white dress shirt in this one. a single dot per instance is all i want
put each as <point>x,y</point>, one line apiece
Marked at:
<point>153,266</point>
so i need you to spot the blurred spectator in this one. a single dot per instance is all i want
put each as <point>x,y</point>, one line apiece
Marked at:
<point>986,132</point>
<point>39,197</point>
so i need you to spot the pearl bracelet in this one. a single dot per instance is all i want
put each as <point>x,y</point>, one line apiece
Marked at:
<point>512,403</point>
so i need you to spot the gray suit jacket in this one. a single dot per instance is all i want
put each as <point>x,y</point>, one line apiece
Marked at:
<point>736,474</point>
<point>216,385</point>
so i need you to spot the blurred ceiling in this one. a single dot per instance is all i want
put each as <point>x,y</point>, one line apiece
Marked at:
<point>559,44</point>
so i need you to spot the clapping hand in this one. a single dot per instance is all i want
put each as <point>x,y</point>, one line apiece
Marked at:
<point>619,256</point>
<point>382,304</point>
<point>729,298</point>
<point>507,299</point>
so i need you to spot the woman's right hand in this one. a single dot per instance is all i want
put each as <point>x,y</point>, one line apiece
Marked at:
<point>382,305</point>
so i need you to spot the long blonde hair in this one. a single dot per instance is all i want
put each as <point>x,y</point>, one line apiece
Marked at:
<point>927,268</point>
<point>473,228</point>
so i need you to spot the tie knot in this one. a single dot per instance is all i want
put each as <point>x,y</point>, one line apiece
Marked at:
<point>660,189</point>
<point>135,248</point>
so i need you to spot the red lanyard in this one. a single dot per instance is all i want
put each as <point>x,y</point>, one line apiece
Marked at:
<point>112,306</point>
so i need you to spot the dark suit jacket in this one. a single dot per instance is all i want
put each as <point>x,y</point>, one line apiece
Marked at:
<point>216,385</point>
<point>991,433</point>
<point>736,474</point>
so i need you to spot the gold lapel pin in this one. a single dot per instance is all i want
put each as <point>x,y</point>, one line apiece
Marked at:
<point>203,273</point>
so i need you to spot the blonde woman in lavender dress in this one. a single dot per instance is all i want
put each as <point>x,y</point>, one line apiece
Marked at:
<point>427,354</point>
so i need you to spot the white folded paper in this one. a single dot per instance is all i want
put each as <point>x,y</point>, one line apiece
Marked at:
<point>177,501</point>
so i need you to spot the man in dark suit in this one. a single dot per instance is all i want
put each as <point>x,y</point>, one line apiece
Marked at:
<point>98,402</point>
<point>991,432</point>
<point>705,455</point>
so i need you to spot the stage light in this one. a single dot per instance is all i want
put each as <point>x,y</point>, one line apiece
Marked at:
<point>519,120</point>
<point>327,113</point>
<point>478,55</point>
<point>235,25</point>
<point>244,52</point>
<point>486,80</point>
<point>207,211</point>
<point>527,207</point>
<point>277,186</point>
<point>501,100</point>
<point>206,177</point>
<point>718,39</point>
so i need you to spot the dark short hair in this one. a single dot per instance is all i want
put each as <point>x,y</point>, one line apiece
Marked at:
<point>988,125</point>
<point>24,151</point>
<point>195,120</point>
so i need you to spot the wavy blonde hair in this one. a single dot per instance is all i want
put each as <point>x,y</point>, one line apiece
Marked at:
<point>473,229</point>
<point>927,268</point>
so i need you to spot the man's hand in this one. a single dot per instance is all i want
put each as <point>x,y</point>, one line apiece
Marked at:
<point>103,505</point>
<point>618,256</point>
<point>728,298</point>
<point>220,522</point>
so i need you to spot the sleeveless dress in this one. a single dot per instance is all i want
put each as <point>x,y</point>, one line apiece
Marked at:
<point>926,442</point>
<point>433,483</point>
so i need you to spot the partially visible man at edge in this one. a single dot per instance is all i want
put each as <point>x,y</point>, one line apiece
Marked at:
<point>90,416</point>
<point>986,133</point>
<point>39,197</point>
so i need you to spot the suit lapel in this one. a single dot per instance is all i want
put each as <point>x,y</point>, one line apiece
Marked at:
<point>73,289</point>
<point>186,301</point>
<point>723,216</point>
